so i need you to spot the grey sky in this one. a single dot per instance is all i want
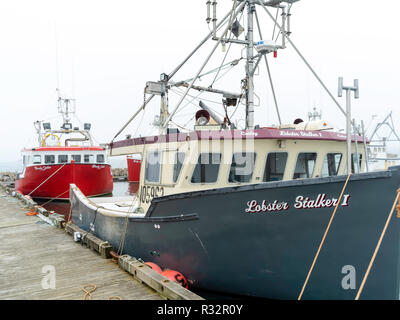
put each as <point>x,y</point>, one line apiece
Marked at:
<point>107,50</point>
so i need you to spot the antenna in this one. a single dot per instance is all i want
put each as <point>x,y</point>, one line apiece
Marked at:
<point>67,107</point>
<point>348,115</point>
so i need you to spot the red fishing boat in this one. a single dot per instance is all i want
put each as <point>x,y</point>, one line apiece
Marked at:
<point>62,158</point>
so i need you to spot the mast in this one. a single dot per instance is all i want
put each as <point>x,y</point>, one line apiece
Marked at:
<point>250,67</point>
<point>66,106</point>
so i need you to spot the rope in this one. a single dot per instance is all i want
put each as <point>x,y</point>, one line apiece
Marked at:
<point>47,179</point>
<point>323,238</point>
<point>123,235</point>
<point>377,246</point>
<point>42,205</point>
<point>88,289</point>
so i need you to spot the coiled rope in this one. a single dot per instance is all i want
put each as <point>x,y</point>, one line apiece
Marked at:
<point>88,289</point>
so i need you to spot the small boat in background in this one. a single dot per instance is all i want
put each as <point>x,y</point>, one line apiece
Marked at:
<point>133,169</point>
<point>50,168</point>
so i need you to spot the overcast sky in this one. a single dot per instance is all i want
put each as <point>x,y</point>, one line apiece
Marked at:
<point>107,50</point>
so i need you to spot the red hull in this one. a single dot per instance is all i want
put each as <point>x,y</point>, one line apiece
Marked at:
<point>92,179</point>
<point>133,169</point>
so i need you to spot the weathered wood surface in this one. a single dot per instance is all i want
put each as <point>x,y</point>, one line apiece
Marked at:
<point>27,245</point>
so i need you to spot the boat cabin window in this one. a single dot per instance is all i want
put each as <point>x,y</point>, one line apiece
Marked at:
<point>37,159</point>
<point>63,158</point>
<point>76,158</point>
<point>100,158</point>
<point>88,158</point>
<point>354,162</point>
<point>305,165</point>
<point>242,167</point>
<point>153,166</point>
<point>275,166</point>
<point>331,164</point>
<point>179,159</point>
<point>49,158</point>
<point>207,168</point>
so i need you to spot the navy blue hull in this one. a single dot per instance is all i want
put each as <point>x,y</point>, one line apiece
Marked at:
<point>210,238</point>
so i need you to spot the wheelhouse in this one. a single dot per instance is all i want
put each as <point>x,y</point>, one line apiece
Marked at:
<point>63,155</point>
<point>200,160</point>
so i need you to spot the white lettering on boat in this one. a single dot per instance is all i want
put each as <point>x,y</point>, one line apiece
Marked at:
<point>301,202</point>
<point>296,133</point>
<point>43,168</point>
<point>244,133</point>
<point>98,166</point>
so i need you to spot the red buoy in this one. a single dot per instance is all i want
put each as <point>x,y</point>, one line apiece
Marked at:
<point>154,267</point>
<point>176,277</point>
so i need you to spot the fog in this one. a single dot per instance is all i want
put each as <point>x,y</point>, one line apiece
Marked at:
<point>102,53</point>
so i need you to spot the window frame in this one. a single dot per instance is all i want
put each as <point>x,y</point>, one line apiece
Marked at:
<point>160,152</point>
<point>89,155</point>
<point>97,158</point>
<point>34,161</point>
<point>265,166</point>
<point>76,155</point>
<point>62,155</point>
<point>195,165</point>
<point>50,155</point>
<point>295,164</point>
<point>175,181</point>
<point>353,164</point>
<point>339,166</point>
<point>252,173</point>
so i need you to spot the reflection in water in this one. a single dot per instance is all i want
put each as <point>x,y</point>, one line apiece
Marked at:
<point>121,188</point>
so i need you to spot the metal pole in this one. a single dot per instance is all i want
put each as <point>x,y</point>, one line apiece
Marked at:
<point>355,88</point>
<point>348,129</point>
<point>171,75</point>
<point>365,146</point>
<point>203,65</point>
<point>356,144</point>
<point>250,67</point>
<point>301,56</point>
<point>269,73</point>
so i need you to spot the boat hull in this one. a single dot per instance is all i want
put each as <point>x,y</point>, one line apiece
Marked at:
<point>92,179</point>
<point>219,244</point>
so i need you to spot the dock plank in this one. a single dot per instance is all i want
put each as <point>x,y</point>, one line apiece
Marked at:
<point>27,245</point>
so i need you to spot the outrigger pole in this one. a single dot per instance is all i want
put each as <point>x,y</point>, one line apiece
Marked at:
<point>284,34</point>
<point>238,9</point>
<point>269,74</point>
<point>172,74</point>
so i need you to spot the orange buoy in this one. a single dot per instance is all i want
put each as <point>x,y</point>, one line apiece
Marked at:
<point>176,277</point>
<point>31,213</point>
<point>154,266</point>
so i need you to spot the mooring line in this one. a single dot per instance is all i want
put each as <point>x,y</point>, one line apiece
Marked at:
<point>47,179</point>
<point>378,246</point>
<point>323,238</point>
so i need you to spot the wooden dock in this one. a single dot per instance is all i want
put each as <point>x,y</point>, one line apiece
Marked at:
<point>32,252</point>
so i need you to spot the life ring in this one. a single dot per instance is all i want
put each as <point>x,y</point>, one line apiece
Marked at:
<point>48,135</point>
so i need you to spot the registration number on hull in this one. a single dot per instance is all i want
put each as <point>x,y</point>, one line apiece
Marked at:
<point>147,193</point>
